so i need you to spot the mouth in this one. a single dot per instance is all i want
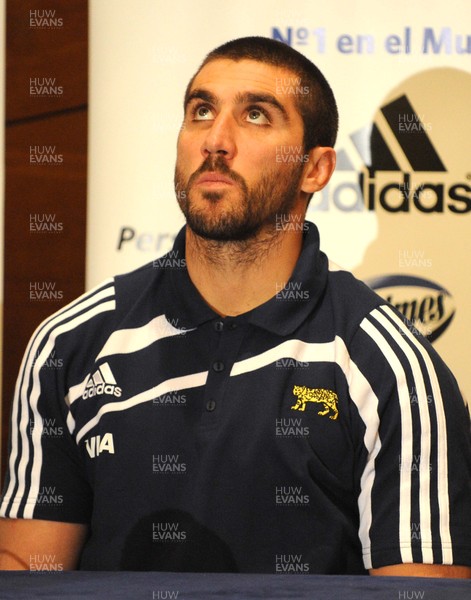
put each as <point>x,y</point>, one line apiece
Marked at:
<point>212,178</point>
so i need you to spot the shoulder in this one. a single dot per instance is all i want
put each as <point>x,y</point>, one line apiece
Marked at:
<point>88,320</point>
<point>351,300</point>
<point>86,308</point>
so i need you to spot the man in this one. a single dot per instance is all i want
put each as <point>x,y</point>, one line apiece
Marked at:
<point>240,404</point>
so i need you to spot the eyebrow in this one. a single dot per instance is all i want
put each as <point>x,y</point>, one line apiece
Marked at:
<point>255,98</point>
<point>241,98</point>
<point>200,94</point>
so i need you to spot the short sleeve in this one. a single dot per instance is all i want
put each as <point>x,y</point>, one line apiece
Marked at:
<point>45,476</point>
<point>415,499</point>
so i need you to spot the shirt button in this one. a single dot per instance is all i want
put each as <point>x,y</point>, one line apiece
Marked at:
<point>219,326</point>
<point>218,366</point>
<point>210,405</point>
<point>233,325</point>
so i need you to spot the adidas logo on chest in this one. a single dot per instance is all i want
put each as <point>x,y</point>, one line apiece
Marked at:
<point>102,382</point>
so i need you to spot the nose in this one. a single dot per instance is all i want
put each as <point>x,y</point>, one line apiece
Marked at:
<point>219,138</point>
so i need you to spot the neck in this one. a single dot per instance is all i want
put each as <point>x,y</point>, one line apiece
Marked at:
<point>235,277</point>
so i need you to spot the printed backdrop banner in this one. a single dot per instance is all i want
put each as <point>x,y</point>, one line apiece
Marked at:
<point>398,210</point>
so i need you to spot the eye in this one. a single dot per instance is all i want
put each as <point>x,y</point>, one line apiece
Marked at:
<point>202,113</point>
<point>257,116</point>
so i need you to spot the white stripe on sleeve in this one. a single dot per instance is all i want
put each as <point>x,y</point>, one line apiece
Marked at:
<point>23,403</point>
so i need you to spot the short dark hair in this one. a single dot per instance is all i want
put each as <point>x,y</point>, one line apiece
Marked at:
<point>317,106</point>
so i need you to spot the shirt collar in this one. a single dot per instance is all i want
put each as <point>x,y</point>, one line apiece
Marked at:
<point>291,304</point>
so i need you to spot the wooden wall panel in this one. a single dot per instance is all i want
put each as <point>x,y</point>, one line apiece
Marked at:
<point>45,176</point>
<point>46,40</point>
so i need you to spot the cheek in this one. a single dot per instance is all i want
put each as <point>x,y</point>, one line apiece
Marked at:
<point>256,154</point>
<point>265,160</point>
<point>188,152</point>
<point>180,146</point>
<point>184,143</point>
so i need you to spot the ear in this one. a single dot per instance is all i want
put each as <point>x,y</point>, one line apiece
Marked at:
<point>318,169</point>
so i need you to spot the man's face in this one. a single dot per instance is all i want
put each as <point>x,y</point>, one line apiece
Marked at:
<point>240,155</point>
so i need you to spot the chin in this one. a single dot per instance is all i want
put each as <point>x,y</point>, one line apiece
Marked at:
<point>230,233</point>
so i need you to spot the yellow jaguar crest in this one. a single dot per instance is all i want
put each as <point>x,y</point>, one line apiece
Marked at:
<point>326,397</point>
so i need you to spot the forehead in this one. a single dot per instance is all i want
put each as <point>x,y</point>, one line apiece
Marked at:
<point>227,78</point>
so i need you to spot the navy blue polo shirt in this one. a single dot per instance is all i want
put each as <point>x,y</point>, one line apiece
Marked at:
<point>317,433</point>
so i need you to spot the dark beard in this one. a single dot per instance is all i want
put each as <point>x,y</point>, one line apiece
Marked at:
<point>274,195</point>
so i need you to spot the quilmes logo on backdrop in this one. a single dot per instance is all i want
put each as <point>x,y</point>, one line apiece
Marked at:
<point>427,305</point>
